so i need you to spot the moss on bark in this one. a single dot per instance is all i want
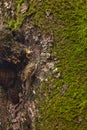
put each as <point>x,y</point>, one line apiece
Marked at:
<point>67,20</point>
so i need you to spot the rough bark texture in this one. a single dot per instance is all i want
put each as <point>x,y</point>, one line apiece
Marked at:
<point>51,85</point>
<point>15,83</point>
<point>12,51</point>
<point>25,63</point>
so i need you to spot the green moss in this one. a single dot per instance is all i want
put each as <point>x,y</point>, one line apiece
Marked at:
<point>17,21</point>
<point>67,20</point>
<point>14,23</point>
